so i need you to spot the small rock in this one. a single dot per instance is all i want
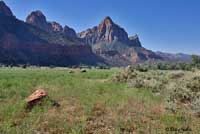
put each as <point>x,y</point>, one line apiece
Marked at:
<point>36,98</point>
<point>37,95</point>
<point>83,71</point>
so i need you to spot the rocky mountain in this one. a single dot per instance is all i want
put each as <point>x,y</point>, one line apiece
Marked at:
<point>111,42</point>
<point>38,19</point>
<point>107,32</point>
<point>39,43</point>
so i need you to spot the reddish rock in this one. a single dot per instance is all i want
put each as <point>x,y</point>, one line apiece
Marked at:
<point>56,27</point>
<point>37,95</point>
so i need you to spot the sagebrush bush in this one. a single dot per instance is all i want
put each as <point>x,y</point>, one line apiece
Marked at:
<point>140,79</point>
<point>185,93</point>
<point>181,89</point>
<point>125,76</point>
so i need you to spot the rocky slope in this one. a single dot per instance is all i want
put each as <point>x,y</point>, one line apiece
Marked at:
<point>22,43</point>
<point>111,42</point>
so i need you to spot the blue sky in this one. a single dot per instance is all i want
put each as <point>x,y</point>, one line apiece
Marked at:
<point>162,25</point>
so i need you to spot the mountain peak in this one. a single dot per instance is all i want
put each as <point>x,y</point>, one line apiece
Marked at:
<point>36,15</point>
<point>108,32</point>
<point>107,21</point>
<point>38,19</point>
<point>4,9</point>
<point>108,18</point>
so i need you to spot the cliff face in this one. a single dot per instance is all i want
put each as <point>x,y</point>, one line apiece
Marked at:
<point>47,54</point>
<point>40,43</point>
<point>107,31</point>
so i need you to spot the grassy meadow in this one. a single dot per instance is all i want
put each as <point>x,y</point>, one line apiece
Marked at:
<point>98,101</point>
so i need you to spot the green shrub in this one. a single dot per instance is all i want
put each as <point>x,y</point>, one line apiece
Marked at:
<point>185,93</point>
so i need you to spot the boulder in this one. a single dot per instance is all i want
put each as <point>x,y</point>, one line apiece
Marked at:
<point>36,96</point>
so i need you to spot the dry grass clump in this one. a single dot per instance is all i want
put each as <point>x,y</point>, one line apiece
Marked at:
<point>101,120</point>
<point>132,117</point>
<point>63,119</point>
<point>136,117</point>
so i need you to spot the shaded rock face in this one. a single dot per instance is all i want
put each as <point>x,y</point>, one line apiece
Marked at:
<point>69,32</point>
<point>135,41</point>
<point>38,19</point>
<point>107,31</point>
<point>4,9</point>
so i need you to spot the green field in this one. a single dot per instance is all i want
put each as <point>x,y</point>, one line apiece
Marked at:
<point>90,103</point>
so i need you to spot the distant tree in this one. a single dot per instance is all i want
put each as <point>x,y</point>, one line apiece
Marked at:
<point>196,61</point>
